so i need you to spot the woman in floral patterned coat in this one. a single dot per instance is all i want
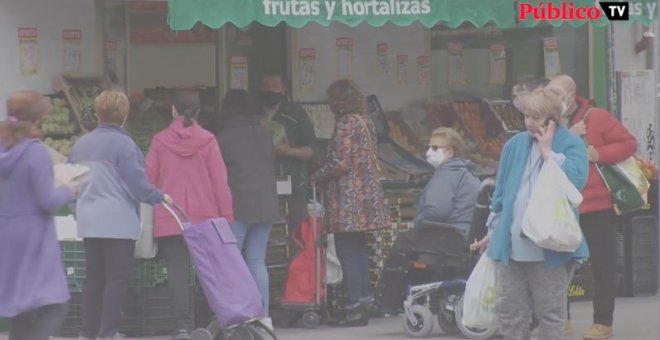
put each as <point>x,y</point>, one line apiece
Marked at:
<point>354,196</point>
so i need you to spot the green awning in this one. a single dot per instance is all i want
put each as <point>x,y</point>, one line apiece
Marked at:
<point>184,14</point>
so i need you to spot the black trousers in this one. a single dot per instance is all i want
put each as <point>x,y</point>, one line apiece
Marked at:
<point>352,253</point>
<point>175,253</point>
<point>109,270</point>
<point>37,324</point>
<point>600,229</point>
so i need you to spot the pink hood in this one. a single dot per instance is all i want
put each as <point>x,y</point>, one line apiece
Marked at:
<point>186,163</point>
<point>185,141</point>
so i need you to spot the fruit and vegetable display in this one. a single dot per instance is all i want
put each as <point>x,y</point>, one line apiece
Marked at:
<point>512,118</point>
<point>486,143</point>
<point>81,93</point>
<point>145,121</point>
<point>402,135</point>
<point>649,169</point>
<point>58,120</point>
<point>62,145</point>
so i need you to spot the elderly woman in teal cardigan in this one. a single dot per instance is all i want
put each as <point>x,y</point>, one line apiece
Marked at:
<point>529,278</point>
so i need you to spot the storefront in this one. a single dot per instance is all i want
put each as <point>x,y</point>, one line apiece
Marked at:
<point>426,61</point>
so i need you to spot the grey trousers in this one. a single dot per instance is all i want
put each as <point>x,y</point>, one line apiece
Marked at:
<point>174,252</point>
<point>526,287</point>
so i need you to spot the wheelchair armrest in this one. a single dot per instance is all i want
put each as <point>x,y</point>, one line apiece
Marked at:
<point>426,224</point>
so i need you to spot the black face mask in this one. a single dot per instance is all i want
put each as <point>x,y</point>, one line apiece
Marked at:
<point>270,99</point>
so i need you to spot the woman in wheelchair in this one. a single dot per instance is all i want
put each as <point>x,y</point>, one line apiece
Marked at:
<point>437,245</point>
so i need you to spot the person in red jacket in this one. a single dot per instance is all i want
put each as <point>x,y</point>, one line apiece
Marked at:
<point>185,161</point>
<point>608,142</point>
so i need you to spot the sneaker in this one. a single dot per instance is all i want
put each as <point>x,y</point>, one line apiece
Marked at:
<point>568,330</point>
<point>181,334</point>
<point>597,332</point>
<point>268,322</point>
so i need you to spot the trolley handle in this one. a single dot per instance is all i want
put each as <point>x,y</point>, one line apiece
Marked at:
<point>173,210</point>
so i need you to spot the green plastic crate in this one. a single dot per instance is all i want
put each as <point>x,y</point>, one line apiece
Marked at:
<point>154,274</point>
<point>73,260</point>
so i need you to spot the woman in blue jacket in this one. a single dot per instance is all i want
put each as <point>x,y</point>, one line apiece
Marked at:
<point>529,278</point>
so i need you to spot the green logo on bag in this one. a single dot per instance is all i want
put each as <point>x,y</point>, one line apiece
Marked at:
<point>489,296</point>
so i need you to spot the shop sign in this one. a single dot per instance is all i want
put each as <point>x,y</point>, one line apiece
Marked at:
<point>28,51</point>
<point>382,53</point>
<point>239,73</point>
<point>307,60</point>
<point>423,70</point>
<point>570,10</point>
<point>72,51</point>
<point>344,57</point>
<point>402,69</point>
<point>332,8</point>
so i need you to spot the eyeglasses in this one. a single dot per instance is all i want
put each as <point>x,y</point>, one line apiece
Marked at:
<point>436,147</point>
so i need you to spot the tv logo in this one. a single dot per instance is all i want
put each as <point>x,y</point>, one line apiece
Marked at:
<point>568,10</point>
<point>616,10</point>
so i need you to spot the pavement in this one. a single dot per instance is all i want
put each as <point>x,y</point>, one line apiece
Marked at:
<point>635,319</point>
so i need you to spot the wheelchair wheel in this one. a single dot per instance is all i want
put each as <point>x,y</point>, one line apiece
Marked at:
<point>447,313</point>
<point>424,324</point>
<point>470,332</point>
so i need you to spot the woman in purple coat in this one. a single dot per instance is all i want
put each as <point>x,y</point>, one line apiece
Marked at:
<point>33,288</point>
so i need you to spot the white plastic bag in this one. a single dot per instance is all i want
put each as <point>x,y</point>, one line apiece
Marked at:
<point>146,247</point>
<point>479,297</point>
<point>333,273</point>
<point>549,220</point>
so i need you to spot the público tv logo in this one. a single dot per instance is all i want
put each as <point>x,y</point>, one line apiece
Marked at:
<point>567,10</point>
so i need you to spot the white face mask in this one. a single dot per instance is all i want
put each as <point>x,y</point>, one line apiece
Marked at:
<point>435,158</point>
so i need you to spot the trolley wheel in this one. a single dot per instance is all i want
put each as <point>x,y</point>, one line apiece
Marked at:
<point>240,332</point>
<point>424,324</point>
<point>446,313</point>
<point>310,320</point>
<point>201,334</point>
<point>470,332</point>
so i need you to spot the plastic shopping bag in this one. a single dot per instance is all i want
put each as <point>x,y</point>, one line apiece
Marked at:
<point>146,247</point>
<point>550,220</point>
<point>479,297</point>
<point>333,272</point>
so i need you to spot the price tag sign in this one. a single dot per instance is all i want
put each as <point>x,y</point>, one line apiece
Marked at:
<point>344,57</point>
<point>239,73</point>
<point>28,51</point>
<point>307,61</point>
<point>72,51</point>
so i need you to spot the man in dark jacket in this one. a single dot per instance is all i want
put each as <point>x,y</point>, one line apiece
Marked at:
<point>293,157</point>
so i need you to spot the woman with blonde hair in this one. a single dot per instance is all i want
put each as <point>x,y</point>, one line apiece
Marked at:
<point>354,196</point>
<point>107,214</point>
<point>529,278</point>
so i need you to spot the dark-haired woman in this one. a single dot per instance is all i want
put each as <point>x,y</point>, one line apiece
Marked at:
<point>250,157</point>
<point>185,161</point>
<point>33,288</point>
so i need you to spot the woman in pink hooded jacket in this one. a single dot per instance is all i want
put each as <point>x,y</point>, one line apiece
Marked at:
<point>185,161</point>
